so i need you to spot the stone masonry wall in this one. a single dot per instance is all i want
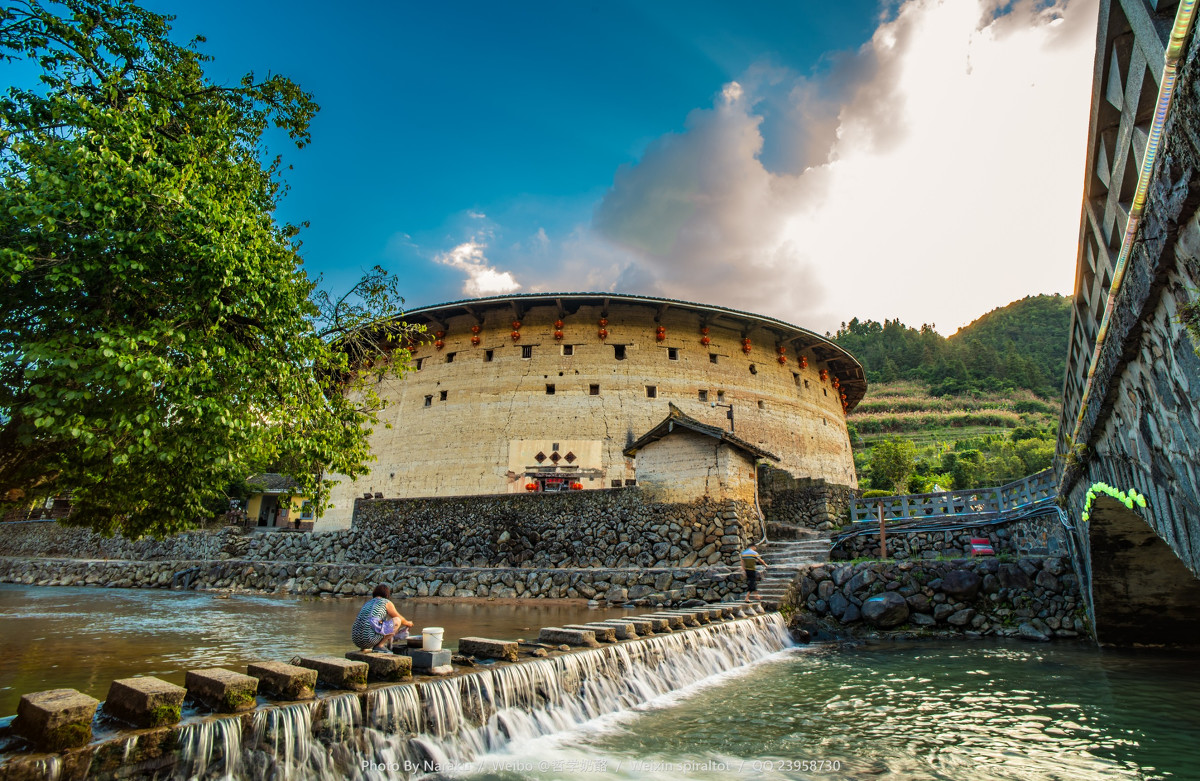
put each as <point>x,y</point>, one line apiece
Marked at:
<point>642,586</point>
<point>1042,536</point>
<point>1141,427</point>
<point>584,529</point>
<point>1033,598</point>
<point>803,502</point>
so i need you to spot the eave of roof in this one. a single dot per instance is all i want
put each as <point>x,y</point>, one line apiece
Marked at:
<point>841,363</point>
<point>677,418</point>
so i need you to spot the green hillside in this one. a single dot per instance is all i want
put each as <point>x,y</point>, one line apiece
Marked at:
<point>981,407</point>
<point>1022,345</point>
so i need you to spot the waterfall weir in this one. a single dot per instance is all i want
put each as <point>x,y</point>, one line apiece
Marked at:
<point>409,730</point>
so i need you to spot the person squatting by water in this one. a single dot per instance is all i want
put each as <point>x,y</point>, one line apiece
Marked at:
<point>750,564</point>
<point>379,623</point>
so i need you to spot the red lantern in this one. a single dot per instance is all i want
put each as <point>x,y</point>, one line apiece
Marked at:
<point>603,333</point>
<point>843,397</point>
<point>531,486</point>
<point>704,340</point>
<point>660,334</point>
<point>576,486</point>
<point>746,345</point>
<point>558,324</point>
<point>824,374</point>
<point>475,340</point>
<point>439,344</point>
<point>439,334</point>
<point>704,330</point>
<point>803,361</point>
<point>516,335</point>
<point>475,329</point>
<point>558,335</point>
<point>782,359</point>
<point>516,324</point>
<point>604,322</point>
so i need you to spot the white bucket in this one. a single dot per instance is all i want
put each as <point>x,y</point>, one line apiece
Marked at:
<point>431,638</point>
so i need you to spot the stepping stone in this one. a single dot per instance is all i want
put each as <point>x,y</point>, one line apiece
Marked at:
<point>144,702</point>
<point>221,690</point>
<point>625,629</point>
<point>484,648</point>
<point>431,662</point>
<point>685,619</point>
<point>643,626</point>
<point>657,623</point>
<point>604,634</point>
<point>283,681</point>
<point>56,719</point>
<point>338,673</point>
<point>384,667</point>
<point>701,616</point>
<point>577,637</point>
<point>672,620</point>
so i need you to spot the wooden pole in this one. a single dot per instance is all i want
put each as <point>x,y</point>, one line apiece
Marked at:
<point>882,534</point>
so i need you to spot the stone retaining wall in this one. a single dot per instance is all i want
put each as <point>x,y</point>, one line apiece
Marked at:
<point>1034,598</point>
<point>1041,536</point>
<point>616,585</point>
<point>613,528</point>
<point>802,502</point>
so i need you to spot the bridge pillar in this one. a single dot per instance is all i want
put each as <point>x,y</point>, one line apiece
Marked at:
<point>1142,593</point>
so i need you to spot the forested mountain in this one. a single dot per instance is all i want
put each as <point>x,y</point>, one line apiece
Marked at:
<point>980,407</point>
<point>1022,345</point>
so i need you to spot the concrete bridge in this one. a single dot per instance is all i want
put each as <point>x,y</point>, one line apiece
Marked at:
<point>1131,403</point>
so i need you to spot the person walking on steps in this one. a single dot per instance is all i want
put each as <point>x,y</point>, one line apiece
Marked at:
<point>751,561</point>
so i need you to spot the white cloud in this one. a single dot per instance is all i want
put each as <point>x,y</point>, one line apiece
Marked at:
<point>933,175</point>
<point>482,278</point>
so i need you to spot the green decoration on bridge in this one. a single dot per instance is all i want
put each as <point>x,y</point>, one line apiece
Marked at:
<point>1128,498</point>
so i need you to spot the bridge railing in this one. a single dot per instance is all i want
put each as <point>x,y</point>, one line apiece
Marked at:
<point>969,505</point>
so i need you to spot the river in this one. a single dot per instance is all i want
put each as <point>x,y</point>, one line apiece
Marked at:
<point>929,710</point>
<point>83,638</point>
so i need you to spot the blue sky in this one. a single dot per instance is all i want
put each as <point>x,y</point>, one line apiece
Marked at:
<point>810,161</point>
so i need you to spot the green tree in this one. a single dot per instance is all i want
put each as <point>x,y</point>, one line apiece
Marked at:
<point>158,338</point>
<point>892,463</point>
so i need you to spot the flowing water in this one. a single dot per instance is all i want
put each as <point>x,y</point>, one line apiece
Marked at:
<point>83,638</point>
<point>734,700</point>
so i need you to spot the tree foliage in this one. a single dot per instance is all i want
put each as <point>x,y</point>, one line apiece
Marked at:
<point>1022,345</point>
<point>158,337</point>
<point>892,463</point>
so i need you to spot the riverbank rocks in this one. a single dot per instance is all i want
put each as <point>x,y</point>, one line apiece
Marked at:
<point>983,597</point>
<point>56,719</point>
<point>961,584</point>
<point>221,690</point>
<point>144,702</point>
<point>284,681</point>
<point>885,610</point>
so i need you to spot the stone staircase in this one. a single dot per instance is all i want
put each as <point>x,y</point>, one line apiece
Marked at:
<point>783,558</point>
